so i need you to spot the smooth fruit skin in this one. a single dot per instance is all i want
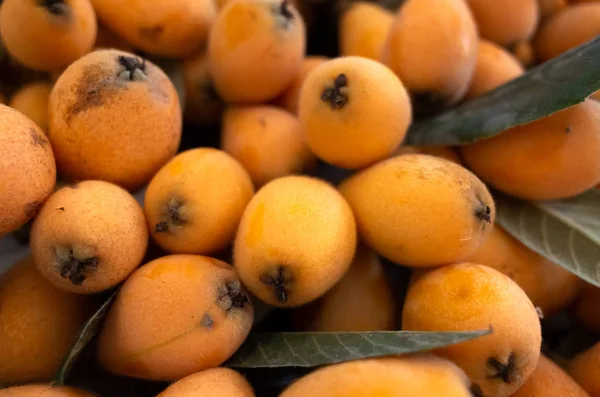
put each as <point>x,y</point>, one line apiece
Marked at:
<point>441,27</point>
<point>38,324</point>
<point>27,169</point>
<point>286,219</point>
<point>32,100</point>
<point>370,121</point>
<point>173,317</point>
<point>291,96</point>
<point>169,28</point>
<point>202,103</point>
<point>467,296</point>
<point>43,391</point>
<point>549,380</point>
<point>584,369</point>
<point>267,141</point>
<point>505,21</point>
<point>104,125</point>
<point>567,29</point>
<point>408,204</point>
<point>215,382</point>
<point>549,286</point>
<point>199,197</point>
<point>255,49</point>
<point>47,37</point>
<point>417,375</point>
<point>551,7</point>
<point>495,67</point>
<point>363,30</point>
<point>362,300</point>
<point>446,152</point>
<point>96,226</point>
<point>552,158</point>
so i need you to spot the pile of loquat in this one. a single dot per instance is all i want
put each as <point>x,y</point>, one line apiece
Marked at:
<point>262,182</point>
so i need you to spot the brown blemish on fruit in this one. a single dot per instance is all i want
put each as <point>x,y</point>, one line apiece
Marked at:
<point>93,90</point>
<point>73,267</point>
<point>31,209</point>
<point>232,296</point>
<point>207,321</point>
<point>507,372</point>
<point>567,130</point>
<point>427,103</point>
<point>336,95</point>
<point>37,138</point>
<point>61,209</point>
<point>56,7</point>
<point>172,217</point>
<point>476,390</point>
<point>280,280</point>
<point>132,65</point>
<point>152,33</point>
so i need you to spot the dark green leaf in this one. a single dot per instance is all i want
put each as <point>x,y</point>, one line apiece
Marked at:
<point>555,85</point>
<point>567,232</point>
<point>87,332</point>
<point>311,349</point>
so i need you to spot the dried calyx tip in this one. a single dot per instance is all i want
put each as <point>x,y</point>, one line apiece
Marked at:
<point>56,7</point>
<point>172,217</point>
<point>336,95</point>
<point>484,213</point>
<point>285,9</point>
<point>74,268</point>
<point>279,282</point>
<point>233,296</point>
<point>131,64</point>
<point>507,372</point>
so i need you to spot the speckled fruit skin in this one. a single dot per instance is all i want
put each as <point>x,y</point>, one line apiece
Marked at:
<point>420,210</point>
<point>353,111</point>
<point>95,222</point>
<point>255,49</point>
<point>173,317</point>
<point>38,324</point>
<point>286,219</point>
<point>466,296</point>
<point>416,375</point>
<point>27,169</point>
<point>193,205</point>
<point>47,38</point>
<point>105,126</point>
<point>168,28</point>
<point>215,382</point>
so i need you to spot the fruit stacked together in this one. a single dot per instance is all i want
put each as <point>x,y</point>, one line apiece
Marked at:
<point>257,219</point>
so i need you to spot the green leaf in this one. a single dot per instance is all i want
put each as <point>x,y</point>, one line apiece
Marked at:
<point>555,85</point>
<point>311,349</point>
<point>86,334</point>
<point>566,232</point>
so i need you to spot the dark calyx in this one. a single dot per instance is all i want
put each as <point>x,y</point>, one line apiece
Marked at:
<point>336,95</point>
<point>74,268</point>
